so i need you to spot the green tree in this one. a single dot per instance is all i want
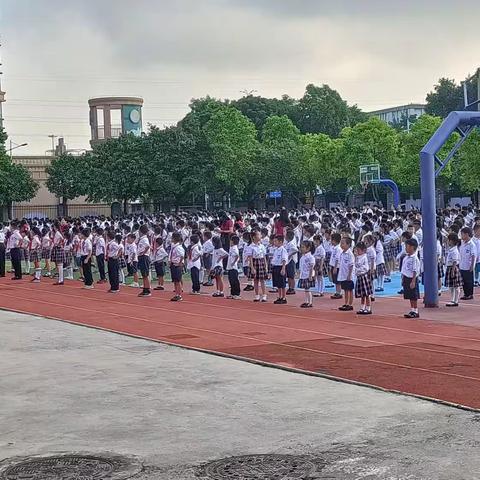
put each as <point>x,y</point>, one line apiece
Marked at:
<point>115,170</point>
<point>405,171</point>
<point>232,140</point>
<point>322,110</point>
<point>446,97</point>
<point>177,171</point>
<point>468,163</point>
<point>65,178</point>
<point>355,115</point>
<point>16,183</point>
<point>366,143</point>
<point>281,163</point>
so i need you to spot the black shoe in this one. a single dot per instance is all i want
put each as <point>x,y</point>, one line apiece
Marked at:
<point>278,301</point>
<point>336,296</point>
<point>176,298</point>
<point>291,291</point>
<point>248,288</point>
<point>159,288</point>
<point>364,312</point>
<point>145,293</point>
<point>467,297</point>
<point>411,315</point>
<point>400,292</point>
<point>451,304</point>
<point>306,305</point>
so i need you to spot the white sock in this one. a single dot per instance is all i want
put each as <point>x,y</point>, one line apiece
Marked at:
<point>308,297</point>
<point>201,275</point>
<point>415,310</point>
<point>60,273</point>
<point>70,272</point>
<point>363,307</point>
<point>28,265</point>
<point>122,275</point>
<point>380,281</point>
<point>456,295</point>
<point>320,284</point>
<point>38,273</point>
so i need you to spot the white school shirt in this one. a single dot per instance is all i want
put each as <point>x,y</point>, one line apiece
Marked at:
<point>131,252</point>
<point>14,240</point>
<point>160,254</point>
<point>46,241</point>
<point>362,266</point>
<point>372,256</point>
<point>307,262</point>
<point>36,244</point>
<point>258,251</point>
<point>346,261</point>
<point>336,250</point>
<point>247,253</point>
<point>177,254</point>
<point>292,250</point>
<point>218,255</point>
<point>476,241</point>
<point>319,253</point>
<point>143,247</point>
<point>112,249</point>
<point>194,257</point>
<point>87,247</point>
<point>468,253</point>
<point>379,258</point>
<point>100,246</point>
<point>411,266</point>
<point>208,247</point>
<point>280,255</point>
<point>453,256</point>
<point>233,256</point>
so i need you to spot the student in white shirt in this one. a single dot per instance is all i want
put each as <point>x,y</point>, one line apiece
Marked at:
<point>112,254</point>
<point>207,256</point>
<point>319,264</point>
<point>292,250</point>
<point>476,240</point>
<point>232,268</point>
<point>143,252</point>
<point>410,272</point>
<point>14,246</point>
<point>35,253</point>
<point>159,257</point>
<point>279,269</point>
<point>87,250</point>
<point>307,273</point>
<point>217,266</point>
<point>176,261</point>
<point>363,281</point>
<point>258,267</point>
<point>247,252</point>
<point>453,278</point>
<point>334,257</point>
<point>468,255</point>
<point>194,263</point>
<point>100,255</point>
<point>346,262</point>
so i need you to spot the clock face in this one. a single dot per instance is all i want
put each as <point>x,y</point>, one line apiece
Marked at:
<point>134,116</point>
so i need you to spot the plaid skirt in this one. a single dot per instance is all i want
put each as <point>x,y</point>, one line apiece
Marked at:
<point>68,259</point>
<point>390,252</point>
<point>305,283</point>
<point>216,272</point>
<point>57,255</point>
<point>34,256</point>
<point>25,254</point>
<point>381,270</point>
<point>319,268</point>
<point>46,252</point>
<point>260,271</point>
<point>363,286</point>
<point>453,278</point>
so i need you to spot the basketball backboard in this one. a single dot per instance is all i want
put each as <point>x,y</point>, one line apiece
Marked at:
<point>369,174</point>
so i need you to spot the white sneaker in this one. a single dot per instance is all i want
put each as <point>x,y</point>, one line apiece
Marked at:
<point>135,285</point>
<point>236,297</point>
<point>88,287</point>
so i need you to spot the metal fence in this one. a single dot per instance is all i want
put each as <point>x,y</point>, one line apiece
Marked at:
<point>54,211</point>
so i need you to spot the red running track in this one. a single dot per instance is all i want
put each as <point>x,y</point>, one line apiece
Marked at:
<point>434,357</point>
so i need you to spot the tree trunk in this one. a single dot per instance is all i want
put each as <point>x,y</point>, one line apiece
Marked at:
<point>10,210</point>
<point>125,206</point>
<point>64,206</point>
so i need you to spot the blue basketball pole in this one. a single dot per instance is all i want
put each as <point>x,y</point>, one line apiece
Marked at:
<point>430,167</point>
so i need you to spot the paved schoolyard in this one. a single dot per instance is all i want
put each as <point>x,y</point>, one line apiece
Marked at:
<point>66,388</point>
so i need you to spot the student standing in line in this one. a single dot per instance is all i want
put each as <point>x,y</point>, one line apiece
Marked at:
<point>100,255</point>
<point>467,262</point>
<point>176,260</point>
<point>36,253</point>
<point>14,246</point>
<point>453,277</point>
<point>143,251</point>
<point>232,268</point>
<point>159,257</point>
<point>258,267</point>
<point>363,283</point>
<point>410,272</point>
<point>307,273</point>
<point>87,250</point>
<point>58,252</point>
<point>346,262</point>
<point>219,254</point>
<point>112,254</point>
<point>194,262</point>
<point>279,269</point>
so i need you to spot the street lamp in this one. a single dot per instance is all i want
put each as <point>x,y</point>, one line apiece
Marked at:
<point>14,145</point>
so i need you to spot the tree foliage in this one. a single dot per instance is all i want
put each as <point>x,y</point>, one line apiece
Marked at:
<point>446,97</point>
<point>65,176</point>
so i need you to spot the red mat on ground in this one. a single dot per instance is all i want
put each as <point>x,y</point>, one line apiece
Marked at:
<point>434,357</point>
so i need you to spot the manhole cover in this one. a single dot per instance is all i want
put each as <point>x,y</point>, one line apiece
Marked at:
<point>263,467</point>
<point>71,467</point>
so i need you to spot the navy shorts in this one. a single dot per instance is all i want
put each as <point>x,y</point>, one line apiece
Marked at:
<point>347,285</point>
<point>291,269</point>
<point>278,280</point>
<point>408,292</point>
<point>132,268</point>
<point>176,272</point>
<point>159,269</point>
<point>144,265</point>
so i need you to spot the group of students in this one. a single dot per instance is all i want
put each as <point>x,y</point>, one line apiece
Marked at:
<point>354,252</point>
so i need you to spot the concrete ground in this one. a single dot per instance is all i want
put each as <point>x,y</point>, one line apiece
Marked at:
<point>65,388</point>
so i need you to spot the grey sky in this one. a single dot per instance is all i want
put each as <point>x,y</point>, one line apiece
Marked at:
<point>58,53</point>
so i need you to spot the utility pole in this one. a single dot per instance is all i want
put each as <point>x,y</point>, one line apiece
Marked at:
<point>2,96</point>
<point>53,137</point>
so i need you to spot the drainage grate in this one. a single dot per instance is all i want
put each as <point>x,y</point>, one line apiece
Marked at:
<point>263,467</point>
<point>71,467</point>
